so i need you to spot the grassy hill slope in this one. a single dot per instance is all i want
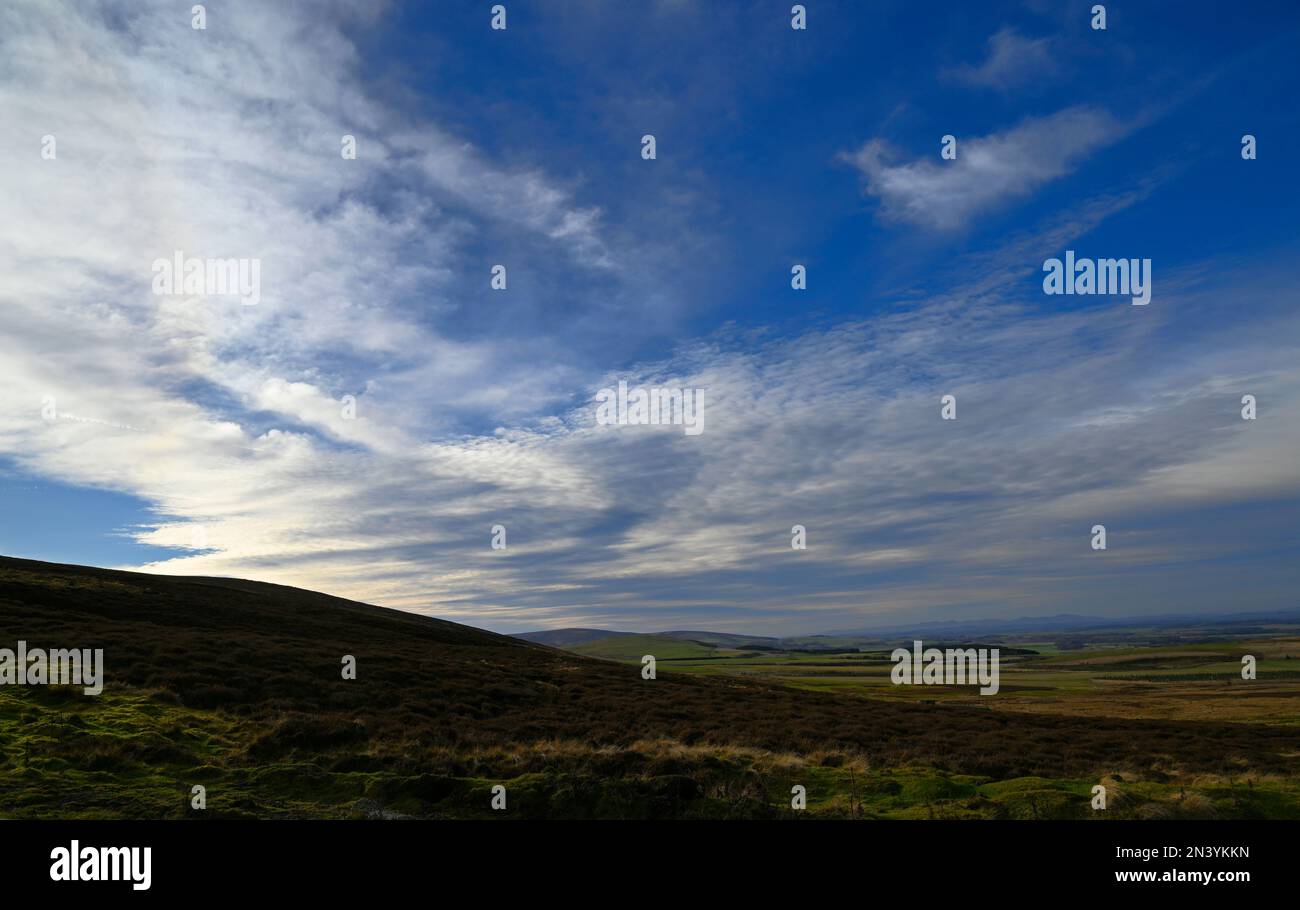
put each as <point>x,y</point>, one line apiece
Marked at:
<point>633,647</point>
<point>236,686</point>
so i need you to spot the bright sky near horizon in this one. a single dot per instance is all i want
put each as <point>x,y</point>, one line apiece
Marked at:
<point>192,434</point>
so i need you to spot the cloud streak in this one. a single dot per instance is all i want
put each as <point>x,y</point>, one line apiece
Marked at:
<point>1013,61</point>
<point>989,173</point>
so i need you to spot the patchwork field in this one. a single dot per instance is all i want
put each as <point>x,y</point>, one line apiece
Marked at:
<point>1186,681</point>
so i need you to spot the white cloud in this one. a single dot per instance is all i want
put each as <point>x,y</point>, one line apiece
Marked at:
<point>989,172</point>
<point>226,144</point>
<point>1013,60</point>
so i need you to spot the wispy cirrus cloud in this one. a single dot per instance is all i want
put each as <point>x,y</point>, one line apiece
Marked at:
<point>1013,61</point>
<point>473,410</point>
<point>990,171</point>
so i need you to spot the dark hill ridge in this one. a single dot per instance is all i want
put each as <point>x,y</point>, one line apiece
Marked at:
<point>436,695</point>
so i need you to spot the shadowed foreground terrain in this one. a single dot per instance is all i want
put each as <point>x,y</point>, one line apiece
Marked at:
<point>237,686</point>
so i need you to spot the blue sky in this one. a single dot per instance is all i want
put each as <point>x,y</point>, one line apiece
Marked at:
<point>192,435</point>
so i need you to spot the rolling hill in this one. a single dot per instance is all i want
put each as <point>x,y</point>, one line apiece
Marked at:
<point>569,638</point>
<point>633,647</point>
<point>577,638</point>
<point>237,686</point>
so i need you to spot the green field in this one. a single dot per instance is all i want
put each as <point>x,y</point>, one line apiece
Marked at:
<point>633,647</point>
<point>1184,680</point>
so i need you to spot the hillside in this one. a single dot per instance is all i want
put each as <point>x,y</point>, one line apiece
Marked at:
<point>237,686</point>
<point>634,647</point>
<point>575,639</point>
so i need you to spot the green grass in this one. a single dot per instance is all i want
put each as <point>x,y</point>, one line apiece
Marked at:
<point>133,755</point>
<point>236,686</point>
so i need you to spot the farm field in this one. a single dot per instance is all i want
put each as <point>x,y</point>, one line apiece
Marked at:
<point>1187,681</point>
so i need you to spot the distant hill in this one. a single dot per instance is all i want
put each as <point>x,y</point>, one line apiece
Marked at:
<point>722,639</point>
<point>1069,622</point>
<point>950,628</point>
<point>568,638</point>
<point>575,638</point>
<point>939,630</point>
<point>237,685</point>
<point>633,647</point>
